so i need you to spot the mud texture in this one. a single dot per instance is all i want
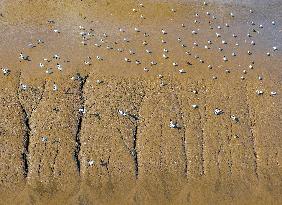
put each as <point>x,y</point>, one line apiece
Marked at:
<point>99,132</point>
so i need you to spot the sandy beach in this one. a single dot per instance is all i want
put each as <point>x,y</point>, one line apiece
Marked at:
<point>140,102</point>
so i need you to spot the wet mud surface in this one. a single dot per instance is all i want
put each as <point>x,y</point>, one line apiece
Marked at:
<point>150,102</point>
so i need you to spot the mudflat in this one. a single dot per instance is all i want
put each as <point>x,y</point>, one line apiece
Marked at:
<point>140,102</point>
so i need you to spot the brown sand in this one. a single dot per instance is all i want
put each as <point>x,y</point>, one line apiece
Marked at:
<point>51,153</point>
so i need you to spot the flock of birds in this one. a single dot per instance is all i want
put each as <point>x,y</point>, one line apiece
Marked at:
<point>86,35</point>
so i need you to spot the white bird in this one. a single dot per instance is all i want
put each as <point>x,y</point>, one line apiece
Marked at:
<point>55,87</point>
<point>273,93</point>
<point>23,87</point>
<point>24,57</point>
<point>82,110</point>
<point>182,71</point>
<point>59,67</point>
<point>6,71</point>
<point>99,58</point>
<point>127,60</point>
<point>131,52</point>
<point>164,32</point>
<point>259,92</point>
<point>122,113</point>
<point>91,162</point>
<point>218,111</point>
<point>173,124</point>
<point>49,71</point>
<point>148,51</point>
<point>195,106</point>
<point>165,56</point>
<point>233,117</point>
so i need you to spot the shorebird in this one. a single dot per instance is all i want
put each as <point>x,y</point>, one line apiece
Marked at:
<point>234,118</point>
<point>55,87</point>
<point>148,51</point>
<point>165,56</point>
<point>97,45</point>
<point>273,93</point>
<point>24,57</point>
<point>145,43</point>
<point>164,32</point>
<point>260,78</point>
<point>173,124</point>
<point>218,111</point>
<point>259,92</point>
<point>44,139</point>
<point>6,71</point>
<point>122,113</point>
<point>131,52</point>
<point>91,163</point>
<point>56,31</point>
<point>99,81</point>
<point>99,58</point>
<point>49,71</point>
<point>195,106</point>
<point>82,110</point>
<point>153,63</point>
<point>56,56</point>
<point>59,67</point>
<point>23,86</point>
<point>127,60</point>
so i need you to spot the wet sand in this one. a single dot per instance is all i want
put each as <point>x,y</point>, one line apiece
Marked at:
<point>97,130</point>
